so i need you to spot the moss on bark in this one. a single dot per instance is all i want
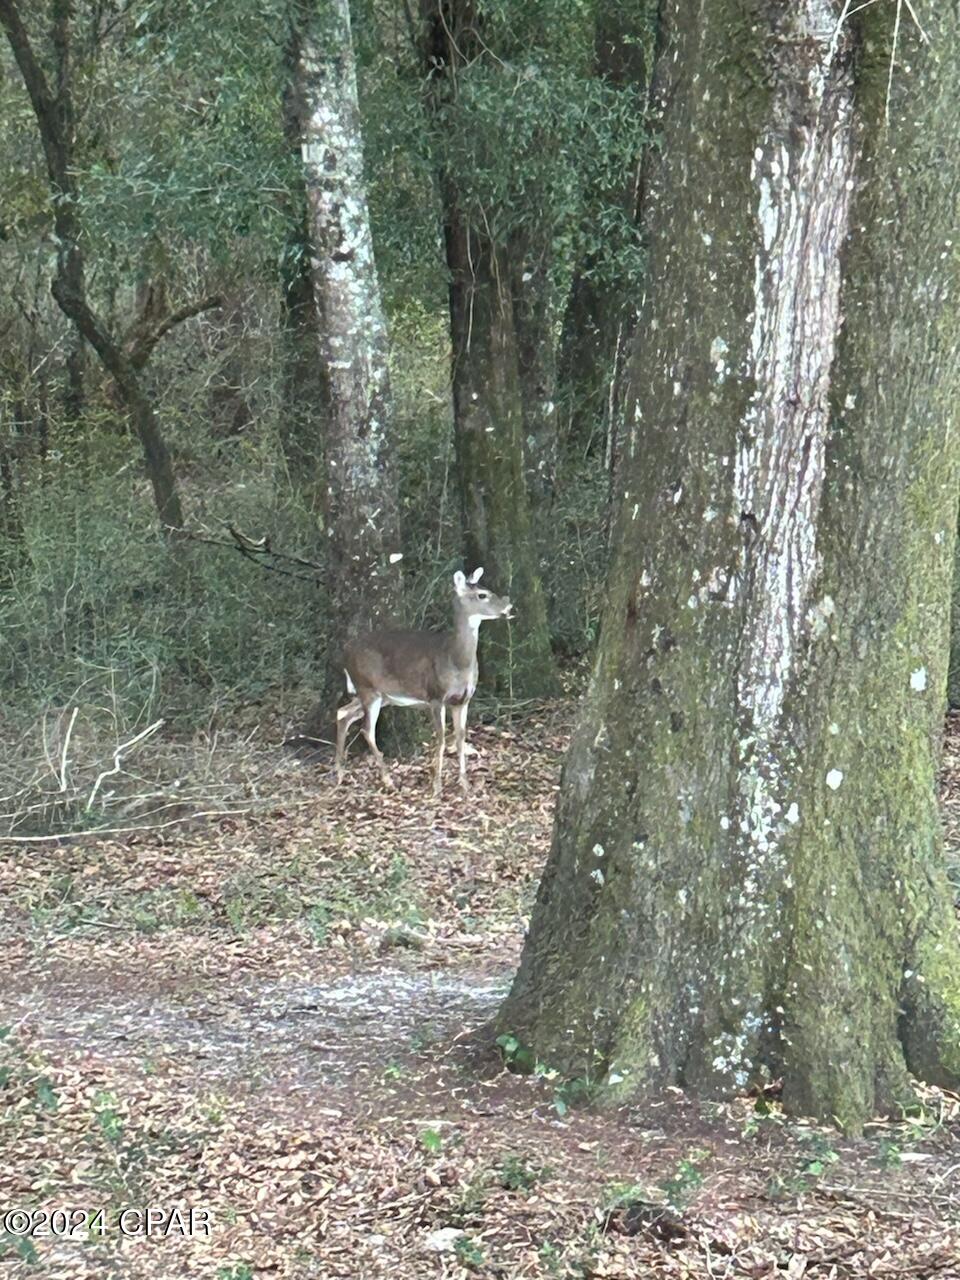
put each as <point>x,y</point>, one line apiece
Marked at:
<point>746,878</point>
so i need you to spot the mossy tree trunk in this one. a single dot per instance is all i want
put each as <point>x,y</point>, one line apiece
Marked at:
<point>953,673</point>
<point>359,503</point>
<point>746,879</point>
<point>487,401</point>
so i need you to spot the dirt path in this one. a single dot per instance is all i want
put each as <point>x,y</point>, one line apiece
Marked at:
<point>270,1022</point>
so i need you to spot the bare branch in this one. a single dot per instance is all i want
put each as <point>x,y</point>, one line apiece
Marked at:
<point>141,348</point>
<point>254,550</point>
<point>66,747</point>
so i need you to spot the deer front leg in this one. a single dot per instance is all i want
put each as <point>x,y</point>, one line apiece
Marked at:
<point>439,713</point>
<point>459,715</point>
<point>370,733</point>
<point>346,716</point>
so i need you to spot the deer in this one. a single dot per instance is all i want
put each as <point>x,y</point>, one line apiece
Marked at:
<point>419,669</point>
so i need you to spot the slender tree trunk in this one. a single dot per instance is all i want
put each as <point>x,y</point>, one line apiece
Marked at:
<point>599,318</point>
<point>56,124</point>
<point>360,507</point>
<point>306,387</point>
<point>533,314</point>
<point>746,878</point>
<point>487,402</point>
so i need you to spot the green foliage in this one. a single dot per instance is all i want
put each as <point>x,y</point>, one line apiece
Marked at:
<point>468,1252</point>
<point>108,1117</point>
<point>431,1141</point>
<point>187,183</point>
<point>686,1181</point>
<point>104,611</point>
<point>515,1174</point>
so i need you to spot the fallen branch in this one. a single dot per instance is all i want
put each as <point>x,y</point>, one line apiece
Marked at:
<point>117,758</point>
<point>97,832</point>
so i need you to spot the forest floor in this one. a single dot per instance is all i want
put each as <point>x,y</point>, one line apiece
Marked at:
<point>270,1019</point>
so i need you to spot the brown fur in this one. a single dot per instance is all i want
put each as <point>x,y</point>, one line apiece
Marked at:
<point>429,668</point>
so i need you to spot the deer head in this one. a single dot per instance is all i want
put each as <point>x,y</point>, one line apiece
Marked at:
<point>477,602</point>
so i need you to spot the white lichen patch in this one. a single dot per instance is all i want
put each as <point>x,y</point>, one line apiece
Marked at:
<point>801,217</point>
<point>834,778</point>
<point>793,814</point>
<point>718,350</point>
<point>918,679</point>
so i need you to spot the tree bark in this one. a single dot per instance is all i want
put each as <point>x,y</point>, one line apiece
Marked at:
<point>55,120</point>
<point>360,505</point>
<point>599,319</point>
<point>306,388</point>
<point>533,313</point>
<point>953,672</point>
<point>487,406</point>
<point>746,880</point>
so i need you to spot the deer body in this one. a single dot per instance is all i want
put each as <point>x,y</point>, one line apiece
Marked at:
<point>419,669</point>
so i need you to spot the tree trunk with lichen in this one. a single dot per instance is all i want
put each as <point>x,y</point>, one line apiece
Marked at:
<point>746,880</point>
<point>359,503</point>
<point>487,400</point>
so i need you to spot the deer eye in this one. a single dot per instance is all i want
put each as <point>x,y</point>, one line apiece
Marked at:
<point>483,595</point>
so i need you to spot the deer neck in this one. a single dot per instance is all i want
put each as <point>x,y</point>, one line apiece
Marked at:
<point>466,633</point>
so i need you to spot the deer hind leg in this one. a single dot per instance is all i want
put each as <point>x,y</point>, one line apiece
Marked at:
<point>370,733</point>
<point>459,715</point>
<point>439,713</point>
<point>347,715</point>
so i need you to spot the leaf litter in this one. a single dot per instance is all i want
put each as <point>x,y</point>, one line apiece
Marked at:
<point>279,1017</point>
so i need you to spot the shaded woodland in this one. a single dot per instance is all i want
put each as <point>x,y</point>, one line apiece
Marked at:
<point>307,312</point>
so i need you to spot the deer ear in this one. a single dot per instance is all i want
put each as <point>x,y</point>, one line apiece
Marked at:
<point>475,576</point>
<point>459,583</point>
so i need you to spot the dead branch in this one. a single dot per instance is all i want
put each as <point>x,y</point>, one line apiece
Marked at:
<point>141,348</point>
<point>254,549</point>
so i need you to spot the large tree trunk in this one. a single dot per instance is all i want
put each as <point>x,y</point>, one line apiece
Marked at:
<point>360,507</point>
<point>54,113</point>
<point>953,672</point>
<point>487,406</point>
<point>746,878</point>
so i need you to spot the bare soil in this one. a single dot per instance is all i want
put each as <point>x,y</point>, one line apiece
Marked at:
<point>281,1018</point>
